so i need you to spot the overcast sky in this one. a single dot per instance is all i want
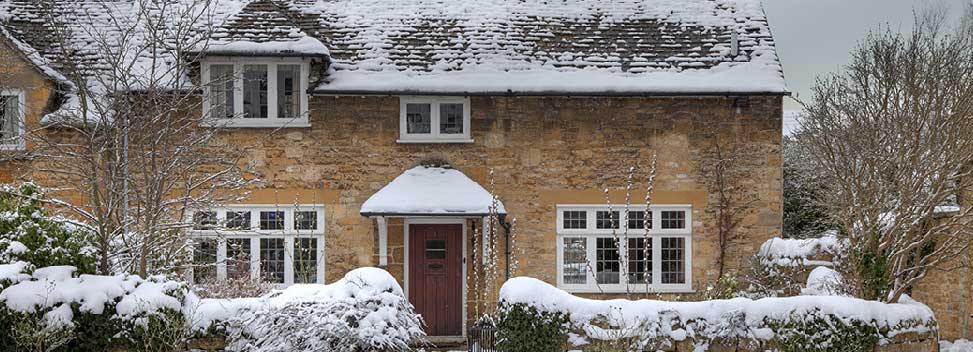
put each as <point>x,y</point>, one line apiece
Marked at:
<point>814,37</point>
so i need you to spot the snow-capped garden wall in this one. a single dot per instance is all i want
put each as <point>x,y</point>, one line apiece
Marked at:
<point>532,310</point>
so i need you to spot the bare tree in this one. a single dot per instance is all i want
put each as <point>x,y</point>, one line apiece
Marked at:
<point>892,135</point>
<point>130,141</point>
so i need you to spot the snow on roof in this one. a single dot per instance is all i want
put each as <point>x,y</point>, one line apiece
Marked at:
<point>467,47</point>
<point>431,191</point>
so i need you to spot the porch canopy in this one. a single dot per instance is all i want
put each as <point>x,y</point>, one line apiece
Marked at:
<point>426,191</point>
<point>431,191</point>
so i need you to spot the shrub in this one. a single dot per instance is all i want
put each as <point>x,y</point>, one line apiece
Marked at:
<point>523,328</point>
<point>28,234</point>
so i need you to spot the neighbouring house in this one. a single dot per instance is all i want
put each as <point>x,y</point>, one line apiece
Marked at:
<point>382,129</point>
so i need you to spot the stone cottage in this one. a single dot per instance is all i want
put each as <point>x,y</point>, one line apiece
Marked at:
<point>393,124</point>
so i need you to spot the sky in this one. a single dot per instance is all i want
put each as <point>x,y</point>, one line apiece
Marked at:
<point>814,37</point>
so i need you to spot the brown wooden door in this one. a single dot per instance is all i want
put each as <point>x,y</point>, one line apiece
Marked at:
<point>436,276</point>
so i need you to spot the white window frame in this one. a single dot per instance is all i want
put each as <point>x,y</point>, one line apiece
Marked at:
<point>591,233</point>
<point>272,120</point>
<point>19,141</point>
<point>255,235</point>
<point>434,136</point>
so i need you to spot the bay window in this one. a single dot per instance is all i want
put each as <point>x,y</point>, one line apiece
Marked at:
<point>256,92</point>
<point>611,250</point>
<point>276,244</point>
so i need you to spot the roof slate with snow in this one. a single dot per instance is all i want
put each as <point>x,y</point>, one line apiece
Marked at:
<point>478,46</point>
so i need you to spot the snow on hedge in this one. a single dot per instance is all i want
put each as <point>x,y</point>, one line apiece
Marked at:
<point>365,310</point>
<point>53,290</point>
<point>709,320</point>
<point>798,252</point>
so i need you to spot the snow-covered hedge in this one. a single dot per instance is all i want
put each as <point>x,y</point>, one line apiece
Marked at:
<point>364,311</point>
<point>812,322</point>
<point>29,234</point>
<point>51,307</point>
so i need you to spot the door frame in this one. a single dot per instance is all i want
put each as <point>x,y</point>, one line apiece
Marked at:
<point>437,221</point>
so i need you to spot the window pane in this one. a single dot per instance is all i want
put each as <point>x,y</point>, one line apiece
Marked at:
<point>305,260</point>
<point>418,118</point>
<point>436,249</point>
<point>255,91</point>
<point>673,219</point>
<point>575,220</point>
<point>238,258</point>
<point>451,118</point>
<point>204,260</point>
<point>607,263</point>
<point>203,220</point>
<point>272,260</point>
<point>575,261</point>
<point>288,90</point>
<point>9,118</point>
<point>306,220</point>
<point>221,98</point>
<point>602,221</point>
<point>238,220</point>
<point>639,261</point>
<point>271,220</point>
<point>673,264</point>
<point>637,220</point>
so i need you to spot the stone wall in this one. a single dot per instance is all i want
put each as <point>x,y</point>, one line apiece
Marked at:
<point>544,151</point>
<point>17,73</point>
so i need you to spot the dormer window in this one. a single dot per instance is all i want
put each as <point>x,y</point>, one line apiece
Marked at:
<point>11,119</point>
<point>247,92</point>
<point>434,120</point>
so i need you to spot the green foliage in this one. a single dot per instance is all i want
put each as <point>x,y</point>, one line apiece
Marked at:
<point>523,328</point>
<point>872,272</point>
<point>817,332</point>
<point>28,234</point>
<point>804,212</point>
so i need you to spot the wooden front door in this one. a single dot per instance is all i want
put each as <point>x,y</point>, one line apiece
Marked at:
<point>436,276</point>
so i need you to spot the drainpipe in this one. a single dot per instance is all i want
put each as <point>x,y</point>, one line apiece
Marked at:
<point>506,233</point>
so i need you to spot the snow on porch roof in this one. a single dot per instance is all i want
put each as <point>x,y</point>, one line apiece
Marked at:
<point>425,191</point>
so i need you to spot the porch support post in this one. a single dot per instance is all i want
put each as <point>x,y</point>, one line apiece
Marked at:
<point>484,236</point>
<point>383,242</point>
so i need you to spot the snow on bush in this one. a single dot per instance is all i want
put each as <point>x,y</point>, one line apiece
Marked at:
<point>824,281</point>
<point>28,234</point>
<point>364,311</point>
<point>802,252</point>
<point>823,321</point>
<point>91,312</point>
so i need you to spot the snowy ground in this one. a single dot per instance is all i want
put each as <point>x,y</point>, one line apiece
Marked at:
<point>961,345</point>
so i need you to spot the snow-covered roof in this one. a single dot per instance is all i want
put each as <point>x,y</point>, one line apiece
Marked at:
<point>428,191</point>
<point>463,47</point>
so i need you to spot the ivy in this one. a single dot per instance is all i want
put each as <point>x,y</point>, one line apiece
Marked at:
<point>523,328</point>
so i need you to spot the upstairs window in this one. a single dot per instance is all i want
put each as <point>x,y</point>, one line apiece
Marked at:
<point>256,92</point>
<point>434,120</point>
<point>11,119</point>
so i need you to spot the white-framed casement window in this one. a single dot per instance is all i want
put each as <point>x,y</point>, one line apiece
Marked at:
<point>12,112</point>
<point>256,92</point>
<point>277,244</point>
<point>434,119</point>
<point>603,249</point>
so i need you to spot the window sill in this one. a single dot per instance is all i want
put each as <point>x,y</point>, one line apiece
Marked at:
<point>633,290</point>
<point>432,141</point>
<point>261,124</point>
<point>12,148</point>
